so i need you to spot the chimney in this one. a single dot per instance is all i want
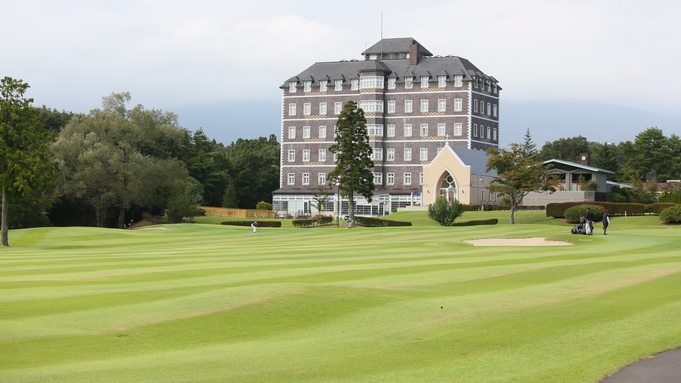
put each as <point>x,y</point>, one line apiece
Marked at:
<point>413,53</point>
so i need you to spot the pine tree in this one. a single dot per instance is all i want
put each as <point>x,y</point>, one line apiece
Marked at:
<point>529,145</point>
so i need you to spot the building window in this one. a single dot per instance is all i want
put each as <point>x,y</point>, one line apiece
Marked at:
<point>392,82</point>
<point>306,155</point>
<point>424,81</point>
<point>489,133</point>
<point>390,154</point>
<point>337,107</point>
<point>424,106</point>
<point>441,81</point>
<point>441,130</point>
<point>339,85</point>
<point>307,109</point>
<point>354,84</point>
<point>391,106</point>
<point>458,105</point>
<point>322,108</point>
<point>494,134</point>
<point>391,130</point>
<point>407,154</point>
<point>423,154</point>
<point>371,82</point>
<point>306,132</point>
<point>494,88</point>
<point>489,109</point>
<point>322,132</point>
<point>307,86</point>
<point>494,110</point>
<point>291,156</point>
<point>322,86</point>
<point>322,155</point>
<point>423,130</point>
<point>374,130</point>
<point>458,80</point>
<point>390,178</point>
<point>291,179</point>
<point>458,129</point>
<point>407,178</point>
<point>489,86</point>
<point>378,178</point>
<point>371,106</point>
<point>441,105</point>
<point>377,154</point>
<point>482,107</point>
<point>292,86</point>
<point>291,132</point>
<point>306,178</point>
<point>475,106</point>
<point>407,130</point>
<point>408,106</point>
<point>291,109</point>
<point>408,82</point>
<point>475,130</point>
<point>321,179</point>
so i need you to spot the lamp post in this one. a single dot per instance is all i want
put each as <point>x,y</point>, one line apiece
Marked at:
<point>340,205</point>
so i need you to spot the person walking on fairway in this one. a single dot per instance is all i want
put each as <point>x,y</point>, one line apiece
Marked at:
<point>255,226</point>
<point>606,222</point>
<point>589,221</point>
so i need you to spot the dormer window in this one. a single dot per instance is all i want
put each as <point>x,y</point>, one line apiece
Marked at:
<point>371,82</point>
<point>354,84</point>
<point>424,81</point>
<point>339,85</point>
<point>458,80</point>
<point>495,88</point>
<point>441,81</point>
<point>391,83</point>
<point>322,86</point>
<point>292,86</point>
<point>408,82</point>
<point>373,57</point>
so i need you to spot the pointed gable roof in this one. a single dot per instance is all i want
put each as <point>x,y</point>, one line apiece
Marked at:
<point>395,45</point>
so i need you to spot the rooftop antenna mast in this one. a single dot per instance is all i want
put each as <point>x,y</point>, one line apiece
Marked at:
<point>381,33</point>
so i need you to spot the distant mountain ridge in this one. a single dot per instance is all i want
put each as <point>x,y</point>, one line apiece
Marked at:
<point>548,120</point>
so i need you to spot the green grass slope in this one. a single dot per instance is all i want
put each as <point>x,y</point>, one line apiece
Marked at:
<point>212,303</point>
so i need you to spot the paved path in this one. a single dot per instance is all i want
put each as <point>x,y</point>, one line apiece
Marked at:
<point>661,368</point>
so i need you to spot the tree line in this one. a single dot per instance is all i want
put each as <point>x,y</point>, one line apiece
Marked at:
<point>117,162</point>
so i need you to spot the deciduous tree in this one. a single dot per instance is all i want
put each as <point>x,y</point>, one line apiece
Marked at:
<point>24,148</point>
<point>352,172</point>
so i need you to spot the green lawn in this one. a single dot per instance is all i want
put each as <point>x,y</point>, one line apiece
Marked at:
<point>211,303</point>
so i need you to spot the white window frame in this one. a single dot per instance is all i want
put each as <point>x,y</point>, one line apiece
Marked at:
<point>408,106</point>
<point>291,179</point>
<point>306,179</point>
<point>458,129</point>
<point>489,109</point>
<point>475,106</point>
<point>408,131</point>
<point>375,130</point>
<point>407,154</point>
<point>306,155</point>
<point>442,105</point>
<point>424,106</point>
<point>482,107</point>
<point>378,178</point>
<point>307,109</point>
<point>322,155</point>
<point>323,85</point>
<point>291,109</point>
<point>322,108</point>
<point>371,82</point>
<point>306,132</point>
<point>408,82</point>
<point>423,130</point>
<point>392,83</point>
<point>391,106</point>
<point>390,154</point>
<point>441,81</point>
<point>338,84</point>
<point>390,178</point>
<point>475,130</point>
<point>322,131</point>
<point>371,106</point>
<point>291,132</point>
<point>377,154</point>
<point>494,110</point>
<point>307,86</point>
<point>458,80</point>
<point>354,84</point>
<point>458,104</point>
<point>494,134</point>
<point>424,82</point>
<point>291,155</point>
<point>321,179</point>
<point>423,154</point>
<point>441,129</point>
<point>337,107</point>
<point>407,178</point>
<point>292,86</point>
<point>390,130</point>
<point>489,133</point>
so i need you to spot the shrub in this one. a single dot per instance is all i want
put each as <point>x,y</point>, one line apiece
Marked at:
<point>378,222</point>
<point>658,207</point>
<point>262,205</point>
<point>320,220</point>
<point>574,213</point>
<point>248,223</point>
<point>492,221</point>
<point>444,212</point>
<point>671,214</point>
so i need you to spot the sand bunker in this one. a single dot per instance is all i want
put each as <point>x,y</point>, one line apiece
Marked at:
<point>535,241</point>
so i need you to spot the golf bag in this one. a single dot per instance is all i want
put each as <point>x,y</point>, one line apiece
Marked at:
<point>581,227</point>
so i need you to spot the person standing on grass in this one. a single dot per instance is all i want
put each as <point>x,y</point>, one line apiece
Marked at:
<point>589,221</point>
<point>606,222</point>
<point>255,226</point>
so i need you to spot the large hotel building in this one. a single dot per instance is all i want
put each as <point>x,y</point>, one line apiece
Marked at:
<point>415,104</point>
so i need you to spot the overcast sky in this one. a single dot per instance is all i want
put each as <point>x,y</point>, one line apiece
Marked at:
<point>171,53</point>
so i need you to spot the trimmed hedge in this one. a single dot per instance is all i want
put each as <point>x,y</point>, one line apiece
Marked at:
<point>557,210</point>
<point>378,222</point>
<point>476,222</point>
<point>574,213</point>
<point>504,207</point>
<point>312,222</point>
<point>248,223</point>
<point>671,214</point>
<point>659,207</point>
